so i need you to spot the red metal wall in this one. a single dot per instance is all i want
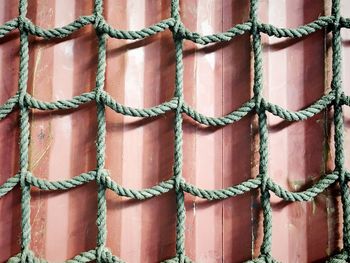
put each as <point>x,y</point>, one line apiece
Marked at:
<point>140,152</point>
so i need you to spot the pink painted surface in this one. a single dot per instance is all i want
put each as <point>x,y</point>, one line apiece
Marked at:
<point>294,78</point>
<point>217,79</point>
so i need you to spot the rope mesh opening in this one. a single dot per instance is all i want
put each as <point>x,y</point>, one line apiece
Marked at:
<point>258,105</point>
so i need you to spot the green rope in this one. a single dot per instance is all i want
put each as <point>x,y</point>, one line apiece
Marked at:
<point>24,135</point>
<point>339,127</point>
<point>265,249</point>
<point>101,220</point>
<point>180,197</point>
<point>258,105</point>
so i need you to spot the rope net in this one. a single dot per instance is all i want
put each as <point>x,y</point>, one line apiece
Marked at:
<point>258,105</point>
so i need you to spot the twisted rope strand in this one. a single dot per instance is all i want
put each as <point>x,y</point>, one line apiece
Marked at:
<point>236,115</point>
<point>163,187</point>
<point>24,136</point>
<point>178,133</point>
<point>302,31</point>
<point>9,185</point>
<point>339,124</point>
<point>8,27</point>
<point>24,101</point>
<point>101,220</point>
<point>265,249</point>
<point>323,22</point>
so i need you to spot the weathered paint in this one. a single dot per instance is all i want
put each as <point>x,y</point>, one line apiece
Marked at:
<point>217,79</point>
<point>294,78</point>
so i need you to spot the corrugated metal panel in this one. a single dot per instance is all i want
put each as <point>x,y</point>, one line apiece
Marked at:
<point>140,152</point>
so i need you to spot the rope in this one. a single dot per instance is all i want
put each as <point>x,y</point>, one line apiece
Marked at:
<point>101,220</point>
<point>257,105</point>
<point>339,125</point>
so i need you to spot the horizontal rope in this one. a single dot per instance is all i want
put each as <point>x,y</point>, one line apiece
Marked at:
<point>306,195</point>
<point>9,185</point>
<point>140,34</point>
<point>8,27</point>
<point>345,22</point>
<point>83,257</point>
<point>345,100</point>
<point>166,186</point>
<point>44,184</point>
<point>303,114</point>
<point>219,121</point>
<point>257,104</point>
<point>170,105</point>
<point>8,106</point>
<point>73,103</point>
<point>143,194</point>
<point>221,193</point>
<point>195,37</point>
<point>322,22</point>
<point>135,112</point>
<point>58,32</point>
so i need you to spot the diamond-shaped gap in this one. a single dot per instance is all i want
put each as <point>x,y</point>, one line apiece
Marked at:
<point>294,78</point>
<point>62,142</point>
<point>140,151</point>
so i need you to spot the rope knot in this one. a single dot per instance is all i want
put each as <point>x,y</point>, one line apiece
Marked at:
<point>177,183</point>
<point>342,176</point>
<point>180,102</point>
<point>337,22</point>
<point>179,30</point>
<point>181,257</point>
<point>100,95</point>
<point>262,104</point>
<point>103,255</point>
<point>25,177</point>
<point>26,256</point>
<point>255,26</point>
<point>264,258</point>
<point>22,102</point>
<point>23,23</point>
<point>259,103</point>
<point>264,180</point>
<point>339,94</point>
<point>342,98</point>
<point>101,176</point>
<point>99,23</point>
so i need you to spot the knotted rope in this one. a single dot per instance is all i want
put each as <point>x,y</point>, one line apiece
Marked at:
<point>25,102</point>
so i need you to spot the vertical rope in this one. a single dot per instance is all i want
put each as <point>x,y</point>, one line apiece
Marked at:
<point>179,32</point>
<point>265,249</point>
<point>24,134</point>
<point>178,134</point>
<point>339,123</point>
<point>101,134</point>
